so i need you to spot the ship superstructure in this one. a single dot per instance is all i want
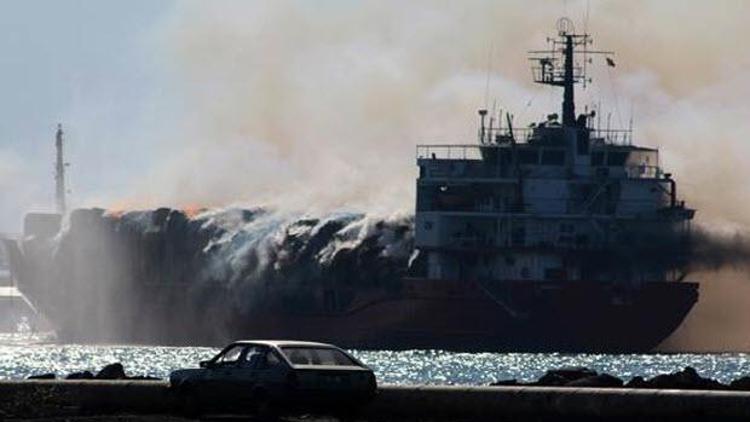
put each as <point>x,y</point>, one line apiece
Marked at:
<point>560,200</point>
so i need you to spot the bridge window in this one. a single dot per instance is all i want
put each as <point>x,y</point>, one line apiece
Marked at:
<point>616,158</point>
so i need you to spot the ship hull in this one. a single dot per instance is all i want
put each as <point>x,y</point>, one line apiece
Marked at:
<point>584,317</point>
<point>518,316</point>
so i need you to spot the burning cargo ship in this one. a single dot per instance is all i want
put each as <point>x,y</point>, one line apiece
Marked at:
<point>558,237</point>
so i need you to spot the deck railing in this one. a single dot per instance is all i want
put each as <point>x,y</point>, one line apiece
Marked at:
<point>463,160</point>
<point>493,136</point>
<point>450,151</point>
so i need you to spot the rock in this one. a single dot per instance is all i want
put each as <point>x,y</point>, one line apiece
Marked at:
<point>687,379</point>
<point>85,375</point>
<point>504,382</point>
<point>144,378</point>
<point>637,382</point>
<point>742,383</point>
<point>563,376</point>
<point>113,371</point>
<point>600,380</point>
<point>550,380</point>
<point>42,377</point>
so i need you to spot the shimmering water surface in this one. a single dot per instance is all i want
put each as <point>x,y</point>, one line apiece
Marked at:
<point>406,367</point>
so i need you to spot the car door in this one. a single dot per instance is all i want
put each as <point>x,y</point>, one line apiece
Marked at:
<point>221,378</point>
<point>272,373</point>
<point>245,377</point>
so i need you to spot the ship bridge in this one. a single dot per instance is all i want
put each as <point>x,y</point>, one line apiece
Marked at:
<point>538,159</point>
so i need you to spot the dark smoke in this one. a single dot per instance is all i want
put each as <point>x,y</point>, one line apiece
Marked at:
<point>637,251</point>
<point>717,251</point>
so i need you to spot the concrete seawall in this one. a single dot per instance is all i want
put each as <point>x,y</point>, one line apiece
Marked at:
<point>49,398</point>
<point>554,403</point>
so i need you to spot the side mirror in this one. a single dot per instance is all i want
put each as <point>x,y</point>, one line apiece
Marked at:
<point>206,364</point>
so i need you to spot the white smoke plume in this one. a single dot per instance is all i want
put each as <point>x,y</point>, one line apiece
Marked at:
<point>321,105</point>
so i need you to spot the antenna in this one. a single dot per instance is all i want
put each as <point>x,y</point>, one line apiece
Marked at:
<point>60,172</point>
<point>557,66</point>
<point>500,121</point>
<point>487,82</point>
<point>586,17</point>
<point>630,125</point>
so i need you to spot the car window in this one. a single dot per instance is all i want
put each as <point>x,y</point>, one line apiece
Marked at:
<point>230,356</point>
<point>272,359</point>
<point>317,356</point>
<point>254,356</point>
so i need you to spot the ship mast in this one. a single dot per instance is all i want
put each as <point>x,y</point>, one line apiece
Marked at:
<point>557,66</point>
<point>59,172</point>
<point>569,105</point>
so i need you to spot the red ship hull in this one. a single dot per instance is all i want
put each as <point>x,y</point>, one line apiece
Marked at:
<point>562,316</point>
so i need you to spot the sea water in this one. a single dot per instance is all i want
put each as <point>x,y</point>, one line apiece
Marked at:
<point>18,361</point>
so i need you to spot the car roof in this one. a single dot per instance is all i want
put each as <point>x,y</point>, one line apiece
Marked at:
<point>285,343</point>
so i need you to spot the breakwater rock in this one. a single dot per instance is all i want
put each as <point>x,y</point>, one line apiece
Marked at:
<point>113,371</point>
<point>686,379</point>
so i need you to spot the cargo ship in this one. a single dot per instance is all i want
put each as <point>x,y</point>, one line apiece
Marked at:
<point>559,236</point>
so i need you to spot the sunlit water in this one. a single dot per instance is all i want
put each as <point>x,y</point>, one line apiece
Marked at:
<point>18,361</point>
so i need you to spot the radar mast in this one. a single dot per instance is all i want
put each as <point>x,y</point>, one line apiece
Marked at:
<point>557,66</point>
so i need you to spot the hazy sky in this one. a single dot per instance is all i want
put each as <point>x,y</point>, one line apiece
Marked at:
<point>90,65</point>
<point>320,103</point>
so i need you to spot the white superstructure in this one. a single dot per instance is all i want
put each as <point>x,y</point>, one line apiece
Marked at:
<point>560,200</point>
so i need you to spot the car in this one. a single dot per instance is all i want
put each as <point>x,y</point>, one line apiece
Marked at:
<point>276,377</point>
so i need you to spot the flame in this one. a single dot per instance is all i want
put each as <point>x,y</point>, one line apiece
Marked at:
<point>116,213</point>
<point>191,211</point>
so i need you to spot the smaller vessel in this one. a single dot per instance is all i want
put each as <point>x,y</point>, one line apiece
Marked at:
<point>20,322</point>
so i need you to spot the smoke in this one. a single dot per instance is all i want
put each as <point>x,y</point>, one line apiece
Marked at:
<point>315,108</point>
<point>301,105</point>
<point>717,251</point>
<point>320,105</point>
<point>719,321</point>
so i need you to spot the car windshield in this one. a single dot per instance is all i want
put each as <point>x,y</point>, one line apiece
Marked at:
<point>231,355</point>
<point>317,356</point>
